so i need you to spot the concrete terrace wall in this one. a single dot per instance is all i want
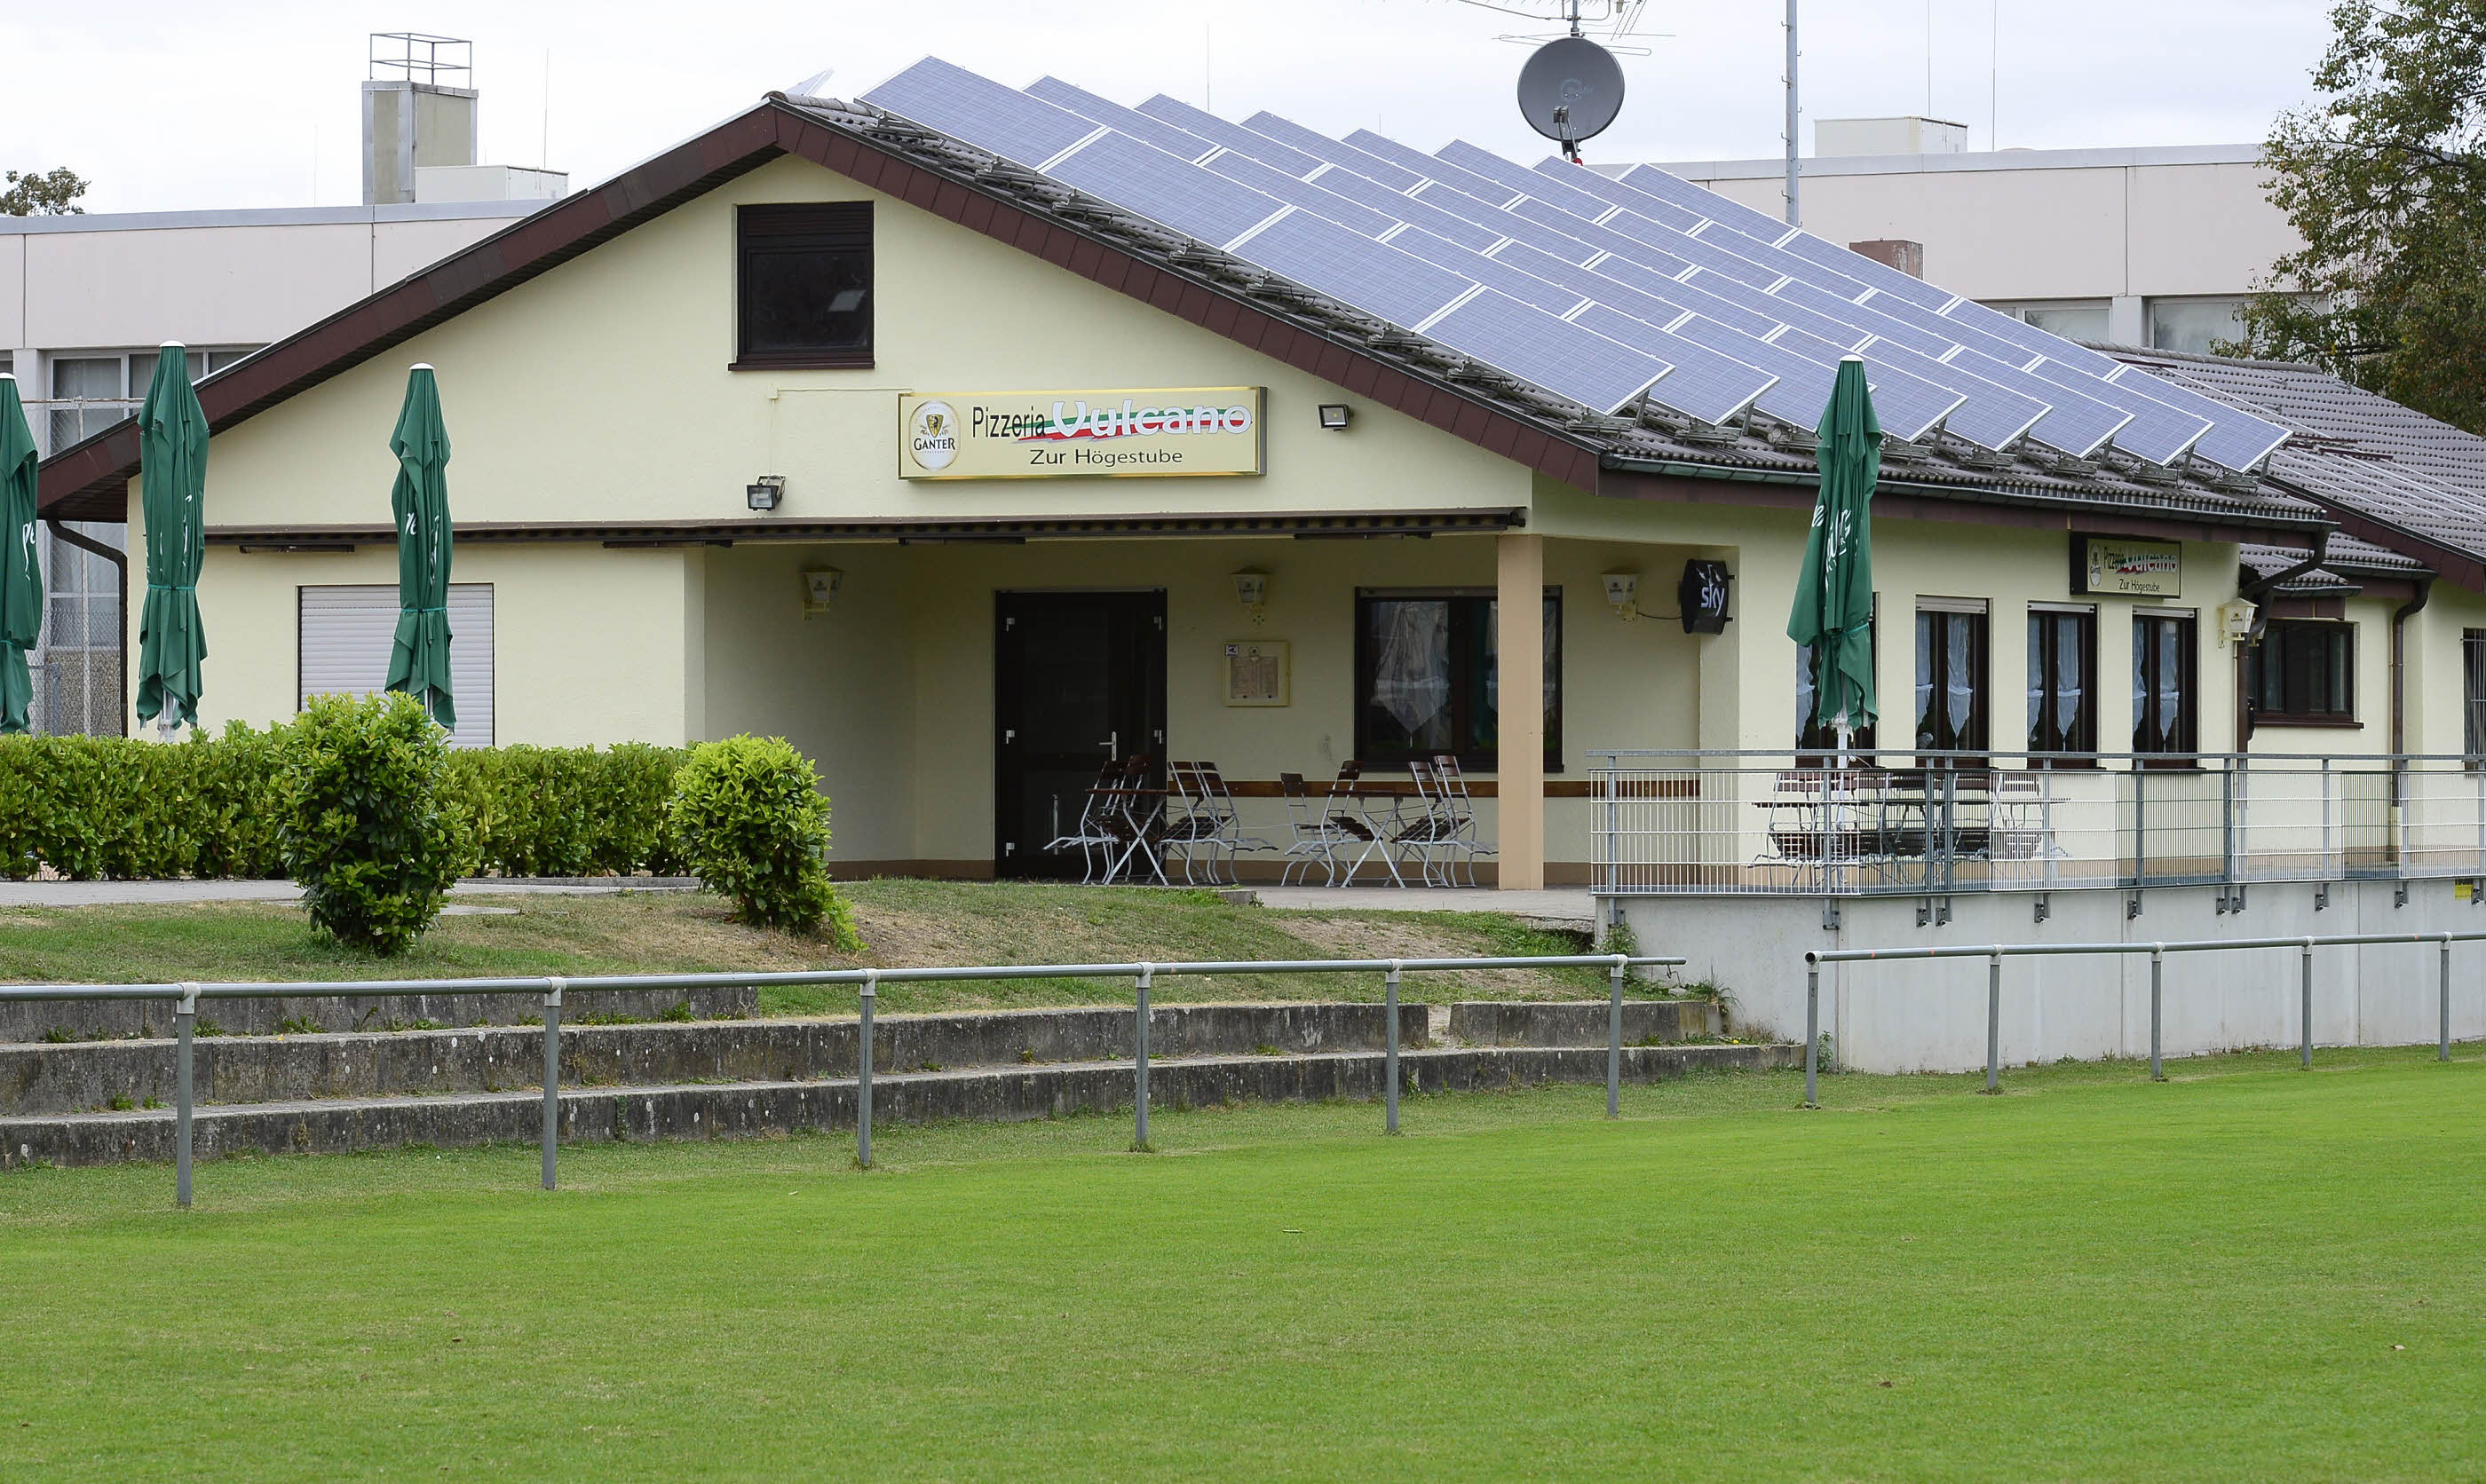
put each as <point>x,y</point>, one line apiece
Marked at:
<point>1930,1016</point>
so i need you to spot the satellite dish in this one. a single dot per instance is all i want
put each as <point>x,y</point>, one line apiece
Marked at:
<point>1569,91</point>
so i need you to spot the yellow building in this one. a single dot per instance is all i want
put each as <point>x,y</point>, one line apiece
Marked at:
<point>743,444</point>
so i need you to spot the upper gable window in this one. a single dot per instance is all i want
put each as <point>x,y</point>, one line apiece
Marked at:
<point>804,285</point>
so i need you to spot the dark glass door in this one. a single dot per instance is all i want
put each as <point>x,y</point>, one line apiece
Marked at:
<point>1079,682</point>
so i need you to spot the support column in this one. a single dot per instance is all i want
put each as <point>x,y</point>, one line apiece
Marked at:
<point>1519,649</point>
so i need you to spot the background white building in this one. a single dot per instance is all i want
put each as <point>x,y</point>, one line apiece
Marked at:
<point>86,300</point>
<point>2152,247</point>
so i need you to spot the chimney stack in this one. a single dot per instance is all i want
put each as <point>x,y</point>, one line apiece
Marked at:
<point>1908,258</point>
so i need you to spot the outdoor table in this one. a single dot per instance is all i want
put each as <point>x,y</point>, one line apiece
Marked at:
<point>1145,828</point>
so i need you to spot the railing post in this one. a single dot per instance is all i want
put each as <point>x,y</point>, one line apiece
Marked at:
<point>1140,1060</point>
<point>869,992</point>
<point>186,1013</point>
<point>2157,1006</point>
<point>552,1080</point>
<point>2442,1048</point>
<point>1614,1036</point>
<point>1994,1023</point>
<point>2305,1009</point>
<point>1811,1032</point>
<point>1390,1057</point>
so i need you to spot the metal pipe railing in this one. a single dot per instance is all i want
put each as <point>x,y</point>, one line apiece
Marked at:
<point>186,996</point>
<point>1995,952</point>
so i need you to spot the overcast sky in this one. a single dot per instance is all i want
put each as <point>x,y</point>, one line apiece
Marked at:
<point>171,104</point>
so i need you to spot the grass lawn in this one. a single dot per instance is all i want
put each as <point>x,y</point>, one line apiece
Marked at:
<point>2249,1272</point>
<point>903,924</point>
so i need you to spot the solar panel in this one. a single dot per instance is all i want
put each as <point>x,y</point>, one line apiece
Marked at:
<point>1129,120</point>
<point>2157,433</point>
<point>1381,281</point>
<point>2235,440</point>
<point>1900,396</point>
<point>980,111</point>
<point>2027,337</point>
<point>1705,384</point>
<point>1428,166</point>
<point>1527,182</point>
<point>1270,180</point>
<point>1830,306</point>
<point>1407,209</point>
<point>1910,405</point>
<point>1121,169</point>
<point>1874,273</point>
<point>1603,185</point>
<point>1559,356</point>
<point>1233,136</point>
<point>1678,192</point>
<point>1492,272</point>
<point>1320,146</point>
<point>2074,423</point>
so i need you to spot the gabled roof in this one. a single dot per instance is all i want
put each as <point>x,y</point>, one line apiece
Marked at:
<point>2389,474</point>
<point>1649,454</point>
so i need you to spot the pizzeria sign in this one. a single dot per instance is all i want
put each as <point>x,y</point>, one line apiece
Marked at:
<point>1123,433</point>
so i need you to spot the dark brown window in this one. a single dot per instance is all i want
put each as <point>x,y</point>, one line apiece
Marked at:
<point>2305,673</point>
<point>804,286</point>
<point>1950,681</point>
<point>2162,684</point>
<point>2062,686</point>
<point>1427,682</point>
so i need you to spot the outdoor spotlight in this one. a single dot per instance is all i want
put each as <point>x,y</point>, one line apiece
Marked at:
<point>1622,591</point>
<point>1252,591</point>
<point>766,494</point>
<point>1334,416</point>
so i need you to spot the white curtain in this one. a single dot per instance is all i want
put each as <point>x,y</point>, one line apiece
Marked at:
<point>1411,677</point>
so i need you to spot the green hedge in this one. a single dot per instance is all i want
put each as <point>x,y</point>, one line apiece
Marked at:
<point>114,808</point>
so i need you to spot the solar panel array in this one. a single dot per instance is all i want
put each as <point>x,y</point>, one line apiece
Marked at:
<point>1600,289</point>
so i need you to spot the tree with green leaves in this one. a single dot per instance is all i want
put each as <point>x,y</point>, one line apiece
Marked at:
<point>2384,181</point>
<point>42,193</point>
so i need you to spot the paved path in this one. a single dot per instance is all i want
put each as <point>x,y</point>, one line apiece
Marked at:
<point>106,894</point>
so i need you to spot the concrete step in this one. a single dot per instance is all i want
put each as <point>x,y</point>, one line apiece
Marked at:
<point>759,1108</point>
<point>89,1020</point>
<point>93,1076</point>
<point>90,1076</point>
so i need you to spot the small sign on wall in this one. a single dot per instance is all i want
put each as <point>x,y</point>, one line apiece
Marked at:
<point>2118,566</point>
<point>1256,673</point>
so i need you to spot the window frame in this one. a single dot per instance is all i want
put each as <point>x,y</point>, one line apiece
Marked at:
<point>1465,681</point>
<point>2473,698</point>
<point>2332,630</point>
<point>2144,659</point>
<point>807,226</point>
<point>1976,734</point>
<point>2081,748</point>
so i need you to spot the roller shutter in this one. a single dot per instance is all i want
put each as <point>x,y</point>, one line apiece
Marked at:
<point>347,633</point>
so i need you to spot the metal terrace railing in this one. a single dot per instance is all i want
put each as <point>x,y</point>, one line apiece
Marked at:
<point>1994,953</point>
<point>1914,823</point>
<point>186,997</point>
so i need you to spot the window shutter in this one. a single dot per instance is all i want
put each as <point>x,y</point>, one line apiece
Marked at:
<point>346,634</point>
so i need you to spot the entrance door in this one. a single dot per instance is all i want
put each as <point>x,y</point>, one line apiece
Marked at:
<point>1079,681</point>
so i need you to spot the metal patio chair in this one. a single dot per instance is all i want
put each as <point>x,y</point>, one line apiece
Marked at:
<point>1347,817</point>
<point>1418,836</point>
<point>1458,819</point>
<point>1225,833</point>
<point>1313,839</point>
<point>1089,835</point>
<point>1191,822</point>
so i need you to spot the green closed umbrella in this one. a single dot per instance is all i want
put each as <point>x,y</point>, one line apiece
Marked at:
<point>1834,595</point>
<point>22,572</point>
<point>419,664</point>
<point>172,473</point>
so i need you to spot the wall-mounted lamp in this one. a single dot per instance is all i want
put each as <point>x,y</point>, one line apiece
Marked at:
<point>820,586</point>
<point>1622,592</point>
<point>1334,416</point>
<point>1252,591</point>
<point>765,495</point>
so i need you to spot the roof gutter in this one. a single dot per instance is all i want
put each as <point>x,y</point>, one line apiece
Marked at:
<point>2253,592</point>
<point>2400,617</point>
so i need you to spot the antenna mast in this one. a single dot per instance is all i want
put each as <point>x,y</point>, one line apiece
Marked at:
<point>1794,209</point>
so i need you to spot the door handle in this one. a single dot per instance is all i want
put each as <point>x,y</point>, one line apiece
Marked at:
<point>1113,745</point>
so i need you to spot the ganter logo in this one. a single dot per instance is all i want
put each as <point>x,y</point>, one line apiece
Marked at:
<point>932,436</point>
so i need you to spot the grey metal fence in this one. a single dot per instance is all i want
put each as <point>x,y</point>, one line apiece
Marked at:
<point>1910,822</point>
<point>1996,952</point>
<point>186,997</point>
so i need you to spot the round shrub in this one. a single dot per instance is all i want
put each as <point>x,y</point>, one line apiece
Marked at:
<point>369,835</point>
<point>750,822</point>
